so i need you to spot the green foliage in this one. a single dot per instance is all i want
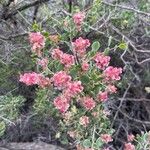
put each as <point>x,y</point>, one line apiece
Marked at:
<point>42,105</point>
<point>87,143</point>
<point>2,128</point>
<point>9,106</point>
<point>6,73</point>
<point>95,48</point>
<point>143,141</point>
<point>9,110</point>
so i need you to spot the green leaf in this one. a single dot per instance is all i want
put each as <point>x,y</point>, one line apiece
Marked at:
<point>46,34</point>
<point>64,141</point>
<point>106,51</point>
<point>98,143</point>
<point>85,79</point>
<point>35,27</point>
<point>2,128</point>
<point>109,41</point>
<point>74,71</point>
<point>95,46</point>
<point>123,46</point>
<point>87,143</point>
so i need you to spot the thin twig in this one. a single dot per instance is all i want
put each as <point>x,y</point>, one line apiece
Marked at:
<point>123,98</point>
<point>127,8</point>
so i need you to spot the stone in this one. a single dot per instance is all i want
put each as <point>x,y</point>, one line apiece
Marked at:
<point>31,146</point>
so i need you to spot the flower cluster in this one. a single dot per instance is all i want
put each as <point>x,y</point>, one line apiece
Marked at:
<point>61,79</point>
<point>103,96</point>
<point>80,45</point>
<point>85,66</point>
<point>35,78</point>
<point>129,146</point>
<point>101,60</point>
<point>37,41</point>
<point>88,103</point>
<point>61,104</point>
<point>70,88</point>
<point>106,138</point>
<point>74,88</point>
<point>130,137</point>
<point>66,59</point>
<point>43,63</point>
<point>78,19</point>
<point>112,73</point>
<point>84,120</point>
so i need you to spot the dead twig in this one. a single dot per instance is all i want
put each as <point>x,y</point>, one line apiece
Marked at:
<point>127,8</point>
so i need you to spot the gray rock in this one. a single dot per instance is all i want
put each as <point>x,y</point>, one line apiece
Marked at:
<point>31,146</point>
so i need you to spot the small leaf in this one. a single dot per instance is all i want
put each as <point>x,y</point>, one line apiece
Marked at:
<point>106,51</point>
<point>2,128</point>
<point>85,79</point>
<point>64,141</point>
<point>109,41</point>
<point>46,34</point>
<point>87,143</point>
<point>95,46</point>
<point>35,27</point>
<point>99,143</point>
<point>123,46</point>
<point>74,70</point>
<point>74,109</point>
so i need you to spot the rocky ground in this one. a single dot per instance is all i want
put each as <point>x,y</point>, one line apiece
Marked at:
<point>30,146</point>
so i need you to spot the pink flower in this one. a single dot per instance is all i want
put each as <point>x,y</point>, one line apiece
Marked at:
<point>61,104</point>
<point>84,120</point>
<point>78,19</point>
<point>67,115</point>
<point>43,62</point>
<point>57,54</point>
<point>61,79</point>
<point>103,96</point>
<point>29,78</point>
<point>129,146</point>
<point>74,88</point>
<point>112,73</point>
<point>101,60</point>
<point>72,134</point>
<point>44,81</point>
<point>95,114</point>
<point>85,66</point>
<point>130,137</point>
<point>111,88</point>
<point>80,45</point>
<point>106,138</point>
<point>88,103</point>
<point>106,112</point>
<point>67,60</point>
<point>35,78</point>
<point>37,41</point>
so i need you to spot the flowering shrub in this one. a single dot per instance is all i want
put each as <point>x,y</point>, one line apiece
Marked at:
<point>81,81</point>
<point>138,142</point>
